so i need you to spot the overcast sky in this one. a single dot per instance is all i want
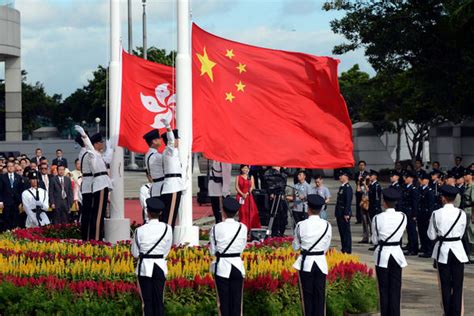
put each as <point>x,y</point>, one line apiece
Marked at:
<point>63,41</point>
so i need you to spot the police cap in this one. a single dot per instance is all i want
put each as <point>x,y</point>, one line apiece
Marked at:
<point>230,205</point>
<point>448,191</point>
<point>391,194</point>
<point>315,201</point>
<point>154,205</point>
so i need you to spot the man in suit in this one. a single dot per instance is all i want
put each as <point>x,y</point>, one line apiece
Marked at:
<point>409,206</point>
<point>11,187</point>
<point>343,211</point>
<point>458,168</point>
<point>44,177</point>
<point>359,176</point>
<point>38,156</point>
<point>59,160</point>
<point>60,196</point>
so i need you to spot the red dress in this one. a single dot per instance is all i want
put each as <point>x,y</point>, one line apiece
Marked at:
<point>248,213</point>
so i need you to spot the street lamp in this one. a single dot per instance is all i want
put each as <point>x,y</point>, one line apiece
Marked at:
<point>97,121</point>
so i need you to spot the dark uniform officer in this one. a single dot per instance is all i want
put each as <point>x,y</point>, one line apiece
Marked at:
<point>434,185</point>
<point>343,211</point>
<point>395,184</point>
<point>447,226</point>
<point>388,228</point>
<point>375,195</point>
<point>409,206</point>
<point>425,208</point>
<point>151,245</point>
<point>313,237</point>
<point>228,240</point>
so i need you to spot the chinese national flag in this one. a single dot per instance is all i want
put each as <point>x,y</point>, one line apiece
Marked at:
<point>147,96</point>
<point>267,107</point>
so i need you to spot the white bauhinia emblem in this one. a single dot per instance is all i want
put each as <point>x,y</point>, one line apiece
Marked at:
<point>163,104</point>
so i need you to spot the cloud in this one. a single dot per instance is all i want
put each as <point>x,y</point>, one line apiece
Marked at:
<point>299,7</point>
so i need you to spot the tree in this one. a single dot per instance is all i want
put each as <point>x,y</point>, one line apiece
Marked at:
<point>424,64</point>
<point>354,85</point>
<point>157,55</point>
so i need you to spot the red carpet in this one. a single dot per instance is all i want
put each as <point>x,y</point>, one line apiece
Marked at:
<point>134,212</point>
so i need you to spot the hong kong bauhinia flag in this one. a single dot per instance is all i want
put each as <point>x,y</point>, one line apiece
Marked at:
<point>267,107</point>
<point>147,96</point>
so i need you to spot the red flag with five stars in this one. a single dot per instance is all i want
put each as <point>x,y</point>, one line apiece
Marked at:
<point>267,107</point>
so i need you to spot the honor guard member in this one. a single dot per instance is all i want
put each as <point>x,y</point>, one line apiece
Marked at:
<point>154,162</point>
<point>447,226</point>
<point>144,195</point>
<point>375,194</point>
<point>35,203</point>
<point>469,203</point>
<point>409,206</point>
<point>313,237</point>
<point>388,228</point>
<point>85,157</point>
<point>343,211</point>
<point>173,184</point>
<point>101,183</point>
<point>228,240</point>
<point>219,186</point>
<point>151,245</point>
<point>425,208</point>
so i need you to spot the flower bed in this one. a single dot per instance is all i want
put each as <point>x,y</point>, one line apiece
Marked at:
<point>40,274</point>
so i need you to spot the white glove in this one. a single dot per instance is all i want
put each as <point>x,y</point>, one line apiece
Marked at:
<point>80,130</point>
<point>165,123</point>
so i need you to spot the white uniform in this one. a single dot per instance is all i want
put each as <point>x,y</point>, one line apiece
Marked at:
<point>387,222</point>
<point>222,171</point>
<point>144,195</point>
<point>154,166</point>
<point>28,198</point>
<point>307,232</point>
<point>101,179</point>
<point>144,239</point>
<point>440,223</point>
<point>172,168</point>
<point>222,234</point>
<point>85,157</point>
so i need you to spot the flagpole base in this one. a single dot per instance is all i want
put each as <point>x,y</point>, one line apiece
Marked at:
<point>117,229</point>
<point>186,236</point>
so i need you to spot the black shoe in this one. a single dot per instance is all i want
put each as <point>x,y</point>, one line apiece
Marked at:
<point>410,253</point>
<point>405,248</point>
<point>363,241</point>
<point>358,222</point>
<point>424,255</point>
<point>372,248</point>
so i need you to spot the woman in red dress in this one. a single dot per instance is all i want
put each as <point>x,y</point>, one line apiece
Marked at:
<point>244,185</point>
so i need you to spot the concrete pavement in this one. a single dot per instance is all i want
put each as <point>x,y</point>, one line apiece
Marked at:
<point>420,294</point>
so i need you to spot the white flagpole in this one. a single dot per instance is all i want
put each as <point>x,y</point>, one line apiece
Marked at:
<point>185,233</point>
<point>116,227</point>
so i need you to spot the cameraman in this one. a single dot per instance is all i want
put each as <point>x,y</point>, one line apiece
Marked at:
<point>363,190</point>
<point>275,182</point>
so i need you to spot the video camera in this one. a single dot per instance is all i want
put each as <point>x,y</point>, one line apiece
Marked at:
<point>275,183</point>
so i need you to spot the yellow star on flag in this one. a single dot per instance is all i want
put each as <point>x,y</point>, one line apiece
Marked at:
<point>241,68</point>
<point>240,86</point>
<point>229,97</point>
<point>230,53</point>
<point>206,65</point>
